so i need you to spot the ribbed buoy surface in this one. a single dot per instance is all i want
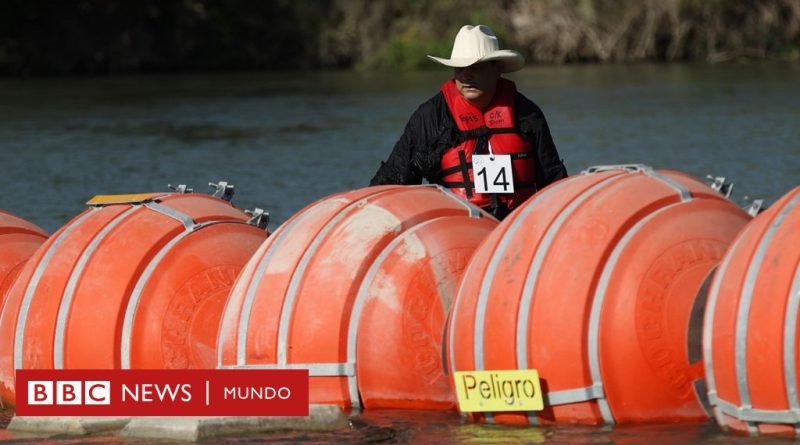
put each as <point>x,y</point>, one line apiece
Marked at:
<point>356,288</point>
<point>593,283</point>
<point>750,333</point>
<point>19,239</point>
<point>138,284</point>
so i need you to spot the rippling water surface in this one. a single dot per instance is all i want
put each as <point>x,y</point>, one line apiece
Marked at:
<point>287,139</point>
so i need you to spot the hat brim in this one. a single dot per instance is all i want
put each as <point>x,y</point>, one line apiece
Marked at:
<point>512,60</point>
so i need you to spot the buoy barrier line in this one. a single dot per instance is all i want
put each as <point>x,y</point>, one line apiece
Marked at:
<point>684,193</point>
<point>790,324</point>
<point>239,287</point>
<point>752,415</point>
<point>361,298</point>
<point>532,279</point>
<point>789,345</point>
<point>629,168</point>
<point>22,317</point>
<point>708,323</point>
<point>297,275</point>
<point>184,219</point>
<point>600,290</point>
<point>136,295</point>
<point>593,339</point>
<point>472,210</point>
<point>314,369</point>
<point>595,392</point>
<point>695,354</point>
<point>453,317</point>
<point>487,279</point>
<point>745,301</point>
<point>271,244</point>
<point>302,245</point>
<point>299,272</point>
<point>247,306</point>
<point>66,299</point>
<point>568,396</point>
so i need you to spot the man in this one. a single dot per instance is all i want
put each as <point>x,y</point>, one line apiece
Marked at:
<point>478,125</point>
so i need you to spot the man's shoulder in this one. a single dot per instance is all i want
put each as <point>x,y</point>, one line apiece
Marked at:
<point>525,108</point>
<point>431,106</point>
<point>432,113</point>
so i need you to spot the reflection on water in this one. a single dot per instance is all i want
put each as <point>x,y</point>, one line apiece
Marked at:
<point>287,139</point>
<point>437,428</point>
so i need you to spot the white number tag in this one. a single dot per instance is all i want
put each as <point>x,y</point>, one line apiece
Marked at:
<point>493,173</point>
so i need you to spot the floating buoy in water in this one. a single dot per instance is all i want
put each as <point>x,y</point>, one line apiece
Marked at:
<point>355,288</point>
<point>750,336</point>
<point>135,281</point>
<point>592,282</point>
<point>19,239</point>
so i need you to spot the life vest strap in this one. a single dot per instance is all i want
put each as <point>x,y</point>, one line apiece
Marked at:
<point>462,165</point>
<point>481,132</point>
<point>457,168</point>
<point>471,185</point>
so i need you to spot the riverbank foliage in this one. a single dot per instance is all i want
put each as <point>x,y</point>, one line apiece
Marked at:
<point>100,36</point>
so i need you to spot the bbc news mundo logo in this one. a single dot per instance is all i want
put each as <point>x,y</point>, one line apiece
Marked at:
<point>227,392</point>
<point>70,392</point>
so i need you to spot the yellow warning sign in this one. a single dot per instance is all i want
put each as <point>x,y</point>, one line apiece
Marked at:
<point>513,390</point>
<point>101,200</point>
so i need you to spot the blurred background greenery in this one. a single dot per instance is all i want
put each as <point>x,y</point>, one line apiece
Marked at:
<point>105,36</point>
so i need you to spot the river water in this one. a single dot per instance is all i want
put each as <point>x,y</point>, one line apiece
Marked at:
<point>286,139</point>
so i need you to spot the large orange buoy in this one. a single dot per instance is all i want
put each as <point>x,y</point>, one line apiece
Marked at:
<point>592,283</point>
<point>750,336</point>
<point>135,281</point>
<point>19,239</point>
<point>355,288</point>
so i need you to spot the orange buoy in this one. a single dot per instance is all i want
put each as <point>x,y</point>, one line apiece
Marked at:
<point>750,336</point>
<point>19,239</point>
<point>135,281</point>
<point>592,283</point>
<point>355,288</point>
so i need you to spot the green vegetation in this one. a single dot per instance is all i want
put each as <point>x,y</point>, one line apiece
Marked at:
<point>99,36</point>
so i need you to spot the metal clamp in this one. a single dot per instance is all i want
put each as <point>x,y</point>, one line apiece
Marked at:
<point>222,190</point>
<point>180,188</point>
<point>719,184</point>
<point>260,218</point>
<point>756,206</point>
<point>632,168</point>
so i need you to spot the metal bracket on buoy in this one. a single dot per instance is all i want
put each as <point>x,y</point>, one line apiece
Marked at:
<point>222,190</point>
<point>719,184</point>
<point>260,218</point>
<point>755,207</point>
<point>633,168</point>
<point>180,188</point>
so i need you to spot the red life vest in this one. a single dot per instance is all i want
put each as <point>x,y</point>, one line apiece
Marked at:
<point>495,125</point>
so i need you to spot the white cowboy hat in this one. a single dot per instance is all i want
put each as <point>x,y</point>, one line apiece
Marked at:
<point>475,44</point>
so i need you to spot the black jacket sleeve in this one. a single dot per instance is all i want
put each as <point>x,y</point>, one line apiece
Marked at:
<point>418,152</point>
<point>400,167</point>
<point>533,127</point>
